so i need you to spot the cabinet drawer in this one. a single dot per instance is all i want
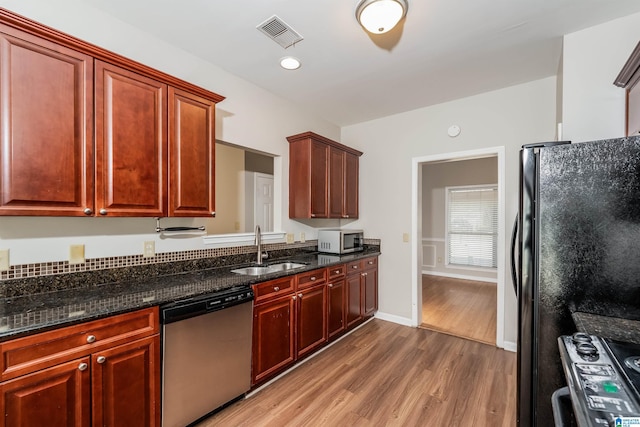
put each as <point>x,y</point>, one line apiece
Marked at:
<point>336,271</point>
<point>273,288</point>
<point>31,353</point>
<point>370,262</point>
<point>311,278</point>
<point>354,267</point>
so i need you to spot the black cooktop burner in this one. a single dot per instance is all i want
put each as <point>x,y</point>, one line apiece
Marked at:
<point>628,358</point>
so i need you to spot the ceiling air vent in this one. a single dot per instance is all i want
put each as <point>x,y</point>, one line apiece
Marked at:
<point>277,30</point>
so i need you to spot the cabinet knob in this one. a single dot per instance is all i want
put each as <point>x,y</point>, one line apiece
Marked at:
<point>363,274</point>
<point>103,211</point>
<point>313,215</point>
<point>331,285</point>
<point>87,211</point>
<point>91,338</point>
<point>276,288</point>
<point>300,295</point>
<point>355,267</point>
<point>370,262</point>
<point>83,367</point>
<point>337,272</point>
<point>101,359</point>
<point>313,278</point>
<point>346,216</point>
<point>213,213</point>
<point>294,297</point>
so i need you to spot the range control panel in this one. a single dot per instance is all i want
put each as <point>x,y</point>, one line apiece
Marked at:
<point>599,392</point>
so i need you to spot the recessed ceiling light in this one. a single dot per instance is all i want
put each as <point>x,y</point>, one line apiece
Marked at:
<point>290,63</point>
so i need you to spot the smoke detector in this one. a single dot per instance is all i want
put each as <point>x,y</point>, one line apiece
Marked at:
<point>279,31</point>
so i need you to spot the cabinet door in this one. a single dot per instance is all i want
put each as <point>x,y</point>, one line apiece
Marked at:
<point>59,396</point>
<point>336,307</point>
<point>191,155</point>
<point>126,384</point>
<point>370,292</point>
<point>311,328</point>
<point>273,337</point>
<point>336,182</point>
<point>319,180</point>
<point>353,299</point>
<point>350,202</point>
<point>131,143</point>
<point>46,127</point>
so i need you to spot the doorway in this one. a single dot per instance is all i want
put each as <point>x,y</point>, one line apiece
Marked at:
<point>454,293</point>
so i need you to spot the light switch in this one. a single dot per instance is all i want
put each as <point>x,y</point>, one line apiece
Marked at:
<point>289,237</point>
<point>76,254</point>
<point>405,237</point>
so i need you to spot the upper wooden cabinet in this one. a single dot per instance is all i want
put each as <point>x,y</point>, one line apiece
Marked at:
<point>153,152</point>
<point>131,143</point>
<point>191,154</point>
<point>46,127</point>
<point>323,178</point>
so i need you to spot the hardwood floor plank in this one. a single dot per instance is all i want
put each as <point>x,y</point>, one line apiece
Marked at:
<point>385,374</point>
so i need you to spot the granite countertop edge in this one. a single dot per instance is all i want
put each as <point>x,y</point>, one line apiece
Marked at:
<point>30,314</point>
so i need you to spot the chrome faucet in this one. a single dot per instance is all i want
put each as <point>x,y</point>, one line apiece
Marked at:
<point>258,242</point>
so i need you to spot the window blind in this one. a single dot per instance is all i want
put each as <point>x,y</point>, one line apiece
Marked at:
<point>472,226</point>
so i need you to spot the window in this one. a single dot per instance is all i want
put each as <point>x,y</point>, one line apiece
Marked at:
<point>472,226</point>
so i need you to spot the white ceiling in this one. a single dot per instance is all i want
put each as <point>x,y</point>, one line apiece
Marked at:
<point>443,50</point>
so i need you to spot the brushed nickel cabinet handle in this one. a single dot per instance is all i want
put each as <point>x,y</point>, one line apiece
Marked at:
<point>331,285</point>
<point>101,359</point>
<point>83,367</point>
<point>300,295</point>
<point>313,278</point>
<point>91,338</point>
<point>294,297</point>
<point>87,211</point>
<point>103,211</point>
<point>276,288</point>
<point>213,213</point>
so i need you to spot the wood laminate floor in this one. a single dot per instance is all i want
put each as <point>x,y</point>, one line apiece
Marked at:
<point>463,308</point>
<point>384,374</point>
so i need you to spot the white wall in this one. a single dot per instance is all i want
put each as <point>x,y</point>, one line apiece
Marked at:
<point>508,117</point>
<point>592,107</point>
<point>249,117</point>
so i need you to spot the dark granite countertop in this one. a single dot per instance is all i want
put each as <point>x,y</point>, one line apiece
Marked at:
<point>23,315</point>
<point>614,328</point>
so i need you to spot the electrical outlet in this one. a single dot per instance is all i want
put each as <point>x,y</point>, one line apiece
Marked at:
<point>76,254</point>
<point>289,237</point>
<point>4,260</point>
<point>405,237</point>
<point>439,260</point>
<point>149,249</point>
<point>302,239</point>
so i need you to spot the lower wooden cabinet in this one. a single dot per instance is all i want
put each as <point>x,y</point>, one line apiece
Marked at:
<point>61,394</point>
<point>273,337</point>
<point>295,316</point>
<point>109,377</point>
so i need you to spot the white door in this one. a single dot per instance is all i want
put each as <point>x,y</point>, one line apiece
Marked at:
<point>263,201</point>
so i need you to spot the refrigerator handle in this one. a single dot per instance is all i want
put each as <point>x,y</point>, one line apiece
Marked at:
<point>514,274</point>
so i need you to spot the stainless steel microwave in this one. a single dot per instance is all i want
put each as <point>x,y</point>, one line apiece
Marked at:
<point>338,241</point>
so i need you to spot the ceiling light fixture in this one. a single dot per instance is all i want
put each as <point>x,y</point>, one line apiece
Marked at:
<point>380,16</point>
<point>290,63</point>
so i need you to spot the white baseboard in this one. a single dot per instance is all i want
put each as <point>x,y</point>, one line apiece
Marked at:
<point>393,318</point>
<point>510,346</point>
<point>460,276</point>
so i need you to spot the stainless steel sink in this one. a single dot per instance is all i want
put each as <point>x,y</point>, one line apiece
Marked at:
<point>273,268</point>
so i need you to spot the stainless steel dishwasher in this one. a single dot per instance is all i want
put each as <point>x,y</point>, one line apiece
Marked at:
<point>206,354</point>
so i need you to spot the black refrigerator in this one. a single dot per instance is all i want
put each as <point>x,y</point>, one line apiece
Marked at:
<point>575,255</point>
